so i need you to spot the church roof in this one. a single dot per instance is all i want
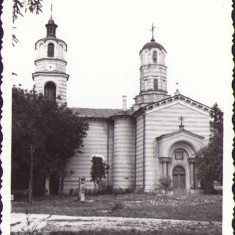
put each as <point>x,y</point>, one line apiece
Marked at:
<point>179,132</point>
<point>153,44</point>
<point>122,113</point>
<point>51,21</point>
<point>174,98</point>
<point>95,113</point>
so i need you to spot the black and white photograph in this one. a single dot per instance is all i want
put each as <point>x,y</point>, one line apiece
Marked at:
<point>117,117</point>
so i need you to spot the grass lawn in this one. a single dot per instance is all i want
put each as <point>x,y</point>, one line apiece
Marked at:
<point>142,205</point>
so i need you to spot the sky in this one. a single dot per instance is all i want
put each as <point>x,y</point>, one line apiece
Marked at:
<point>104,39</point>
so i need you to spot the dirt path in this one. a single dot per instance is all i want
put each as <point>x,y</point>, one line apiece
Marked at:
<point>45,223</point>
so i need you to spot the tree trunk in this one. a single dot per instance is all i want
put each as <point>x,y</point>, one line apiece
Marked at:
<point>60,185</point>
<point>96,190</point>
<point>31,176</point>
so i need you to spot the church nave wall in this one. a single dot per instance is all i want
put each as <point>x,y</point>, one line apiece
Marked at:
<point>95,143</point>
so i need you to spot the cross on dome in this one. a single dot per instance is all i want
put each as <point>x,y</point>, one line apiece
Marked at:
<point>152,29</point>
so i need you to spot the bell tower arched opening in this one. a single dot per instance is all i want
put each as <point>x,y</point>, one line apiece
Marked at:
<point>50,50</point>
<point>50,91</point>
<point>154,56</point>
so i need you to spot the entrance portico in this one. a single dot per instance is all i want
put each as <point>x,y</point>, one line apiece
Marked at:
<point>176,157</point>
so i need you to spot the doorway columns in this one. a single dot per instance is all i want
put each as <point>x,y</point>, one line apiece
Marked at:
<point>165,161</point>
<point>192,172</point>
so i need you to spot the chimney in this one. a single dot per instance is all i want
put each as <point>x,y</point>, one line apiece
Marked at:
<point>124,103</point>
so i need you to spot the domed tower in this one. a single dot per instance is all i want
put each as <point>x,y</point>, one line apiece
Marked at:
<point>50,76</point>
<point>153,73</point>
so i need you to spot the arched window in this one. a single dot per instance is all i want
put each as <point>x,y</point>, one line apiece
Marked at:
<point>50,50</point>
<point>155,56</point>
<point>50,91</point>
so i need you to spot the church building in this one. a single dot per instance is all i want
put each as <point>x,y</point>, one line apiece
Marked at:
<point>157,137</point>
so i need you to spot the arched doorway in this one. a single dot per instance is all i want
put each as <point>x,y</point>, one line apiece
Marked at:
<point>179,179</point>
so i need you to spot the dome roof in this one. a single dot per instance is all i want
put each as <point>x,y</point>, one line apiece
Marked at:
<point>153,44</point>
<point>51,21</point>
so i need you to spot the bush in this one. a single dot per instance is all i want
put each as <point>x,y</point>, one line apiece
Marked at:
<point>123,190</point>
<point>89,191</point>
<point>106,190</point>
<point>165,183</point>
<point>99,169</point>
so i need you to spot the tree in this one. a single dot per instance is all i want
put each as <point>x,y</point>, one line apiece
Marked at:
<point>54,132</point>
<point>209,160</point>
<point>216,114</point>
<point>99,170</point>
<point>20,7</point>
<point>165,183</point>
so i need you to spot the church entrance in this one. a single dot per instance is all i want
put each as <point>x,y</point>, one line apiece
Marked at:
<point>179,179</point>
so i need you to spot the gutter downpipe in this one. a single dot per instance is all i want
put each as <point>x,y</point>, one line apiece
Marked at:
<point>108,152</point>
<point>144,152</point>
<point>135,154</point>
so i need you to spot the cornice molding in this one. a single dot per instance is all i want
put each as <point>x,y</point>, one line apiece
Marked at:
<point>50,59</point>
<point>55,74</point>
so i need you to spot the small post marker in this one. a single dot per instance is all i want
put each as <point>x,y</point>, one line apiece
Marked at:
<point>81,189</point>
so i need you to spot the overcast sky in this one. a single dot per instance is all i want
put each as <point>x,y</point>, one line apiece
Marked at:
<point>104,39</point>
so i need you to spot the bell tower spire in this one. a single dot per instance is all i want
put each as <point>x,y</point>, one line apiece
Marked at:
<point>51,10</point>
<point>51,26</point>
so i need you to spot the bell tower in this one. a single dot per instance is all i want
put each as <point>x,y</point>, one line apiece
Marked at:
<point>50,77</point>
<point>153,73</point>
